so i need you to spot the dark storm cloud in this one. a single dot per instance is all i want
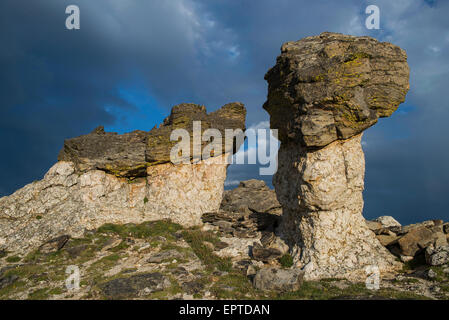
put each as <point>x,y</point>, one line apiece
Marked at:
<point>57,83</point>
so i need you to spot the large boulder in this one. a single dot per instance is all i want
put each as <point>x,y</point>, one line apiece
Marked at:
<point>419,238</point>
<point>322,93</point>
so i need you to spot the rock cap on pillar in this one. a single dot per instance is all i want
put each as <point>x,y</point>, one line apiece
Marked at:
<point>333,86</point>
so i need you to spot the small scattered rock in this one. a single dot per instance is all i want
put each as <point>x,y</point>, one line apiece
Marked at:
<point>437,256</point>
<point>210,245</point>
<point>8,280</point>
<point>278,279</point>
<point>132,286</point>
<point>373,225</point>
<point>405,258</point>
<point>265,254</point>
<point>221,245</point>
<point>54,244</point>
<point>193,287</point>
<point>387,221</point>
<point>279,245</point>
<point>251,271</point>
<point>267,238</point>
<point>180,272</point>
<point>164,256</point>
<point>76,250</point>
<point>435,289</point>
<point>431,274</point>
<point>111,243</point>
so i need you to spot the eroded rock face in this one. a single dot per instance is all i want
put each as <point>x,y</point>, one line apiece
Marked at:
<point>67,203</point>
<point>323,92</point>
<point>334,86</point>
<point>110,178</point>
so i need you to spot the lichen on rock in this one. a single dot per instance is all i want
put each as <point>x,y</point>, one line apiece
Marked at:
<point>334,86</point>
<point>130,154</point>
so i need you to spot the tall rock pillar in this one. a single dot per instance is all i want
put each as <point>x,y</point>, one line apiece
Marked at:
<point>324,91</point>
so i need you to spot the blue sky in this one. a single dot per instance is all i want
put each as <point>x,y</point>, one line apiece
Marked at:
<point>132,60</point>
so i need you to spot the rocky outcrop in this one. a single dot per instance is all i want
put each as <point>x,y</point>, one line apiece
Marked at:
<point>246,211</point>
<point>109,178</point>
<point>130,154</point>
<point>427,238</point>
<point>248,222</point>
<point>322,93</point>
<point>251,196</point>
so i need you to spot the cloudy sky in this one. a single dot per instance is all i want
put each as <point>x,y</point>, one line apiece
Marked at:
<point>132,60</point>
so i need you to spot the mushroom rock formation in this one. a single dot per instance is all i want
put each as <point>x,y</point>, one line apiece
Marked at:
<point>323,92</point>
<point>105,177</point>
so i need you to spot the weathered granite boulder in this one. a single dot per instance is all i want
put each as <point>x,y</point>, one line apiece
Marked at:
<point>437,256</point>
<point>108,178</point>
<point>322,93</point>
<point>334,86</point>
<point>427,238</point>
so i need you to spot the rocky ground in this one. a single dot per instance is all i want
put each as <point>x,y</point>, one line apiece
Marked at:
<point>236,254</point>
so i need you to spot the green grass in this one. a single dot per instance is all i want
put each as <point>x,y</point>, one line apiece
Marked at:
<point>441,276</point>
<point>144,230</point>
<point>233,285</point>
<point>39,294</point>
<point>286,261</point>
<point>9,291</point>
<point>122,246</point>
<point>104,263</point>
<point>324,290</point>
<point>13,259</point>
<point>196,238</point>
